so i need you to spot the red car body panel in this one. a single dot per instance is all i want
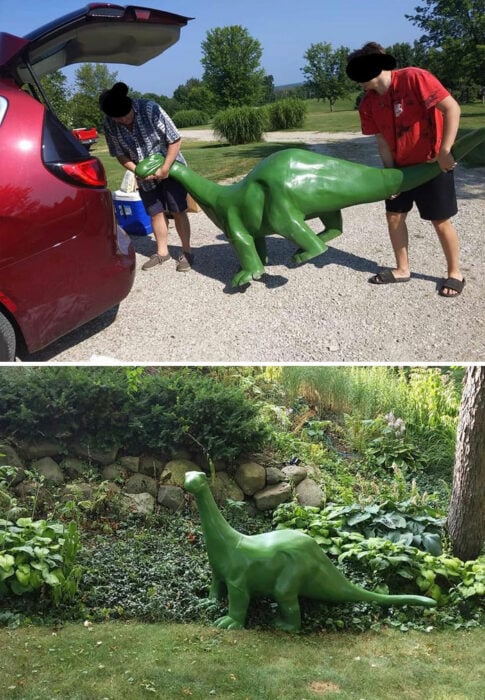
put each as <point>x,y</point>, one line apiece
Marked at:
<point>59,266</point>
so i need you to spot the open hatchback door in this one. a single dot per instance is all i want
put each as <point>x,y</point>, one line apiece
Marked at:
<point>97,33</point>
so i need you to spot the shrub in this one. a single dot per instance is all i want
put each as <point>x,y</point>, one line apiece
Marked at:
<point>106,407</point>
<point>190,117</point>
<point>184,409</point>
<point>287,114</point>
<point>64,403</point>
<point>240,125</point>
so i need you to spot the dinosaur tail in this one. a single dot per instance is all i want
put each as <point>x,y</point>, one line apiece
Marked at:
<point>415,175</point>
<point>360,594</point>
<point>467,143</point>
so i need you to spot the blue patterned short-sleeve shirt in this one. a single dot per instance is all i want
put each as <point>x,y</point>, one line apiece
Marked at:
<point>153,131</point>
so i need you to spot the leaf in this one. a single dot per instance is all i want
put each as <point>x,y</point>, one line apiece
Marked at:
<point>405,573</point>
<point>50,578</point>
<point>358,518</point>
<point>23,576</point>
<point>432,543</point>
<point>24,548</point>
<point>415,527</point>
<point>6,561</point>
<point>406,537</point>
<point>18,588</point>
<point>392,520</point>
<point>24,522</point>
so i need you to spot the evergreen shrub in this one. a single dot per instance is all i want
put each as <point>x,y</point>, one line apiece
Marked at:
<point>99,406</point>
<point>187,409</point>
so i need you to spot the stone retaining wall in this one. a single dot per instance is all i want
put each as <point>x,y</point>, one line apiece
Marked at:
<point>146,481</point>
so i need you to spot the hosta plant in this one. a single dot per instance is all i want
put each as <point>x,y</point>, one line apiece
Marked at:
<point>385,565</point>
<point>38,554</point>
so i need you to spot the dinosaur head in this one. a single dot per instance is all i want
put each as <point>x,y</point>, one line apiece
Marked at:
<point>149,165</point>
<point>195,482</point>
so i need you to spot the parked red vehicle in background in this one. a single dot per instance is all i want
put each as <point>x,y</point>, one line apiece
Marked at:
<point>63,260</point>
<point>86,135</point>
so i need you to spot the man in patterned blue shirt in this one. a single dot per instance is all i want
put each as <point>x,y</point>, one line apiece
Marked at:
<point>135,129</point>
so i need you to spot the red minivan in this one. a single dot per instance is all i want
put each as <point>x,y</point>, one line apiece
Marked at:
<point>63,260</point>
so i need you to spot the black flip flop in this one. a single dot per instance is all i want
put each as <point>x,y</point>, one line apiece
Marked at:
<point>454,284</point>
<point>387,277</point>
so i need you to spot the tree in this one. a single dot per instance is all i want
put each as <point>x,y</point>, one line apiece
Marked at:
<point>403,53</point>
<point>455,29</point>
<point>168,104</point>
<point>466,518</point>
<point>268,89</point>
<point>325,72</point>
<point>55,88</point>
<point>194,94</point>
<point>231,60</point>
<point>90,79</point>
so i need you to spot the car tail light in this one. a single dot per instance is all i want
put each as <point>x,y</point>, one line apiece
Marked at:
<point>89,173</point>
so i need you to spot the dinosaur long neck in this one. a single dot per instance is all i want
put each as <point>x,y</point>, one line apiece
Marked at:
<point>219,535</point>
<point>201,189</point>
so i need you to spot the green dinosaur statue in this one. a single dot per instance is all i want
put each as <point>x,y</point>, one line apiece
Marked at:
<point>289,187</point>
<point>283,565</point>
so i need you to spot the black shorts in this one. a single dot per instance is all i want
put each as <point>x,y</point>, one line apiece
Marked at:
<point>435,200</point>
<point>167,196</point>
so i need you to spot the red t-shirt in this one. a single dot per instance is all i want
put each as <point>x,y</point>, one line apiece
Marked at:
<point>406,115</point>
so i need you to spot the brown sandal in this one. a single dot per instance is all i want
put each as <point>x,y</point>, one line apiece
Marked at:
<point>453,284</point>
<point>387,277</point>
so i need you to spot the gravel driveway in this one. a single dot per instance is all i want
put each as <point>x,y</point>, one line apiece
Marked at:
<point>321,311</point>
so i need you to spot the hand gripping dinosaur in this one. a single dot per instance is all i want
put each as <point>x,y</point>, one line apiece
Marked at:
<point>283,565</point>
<point>289,187</point>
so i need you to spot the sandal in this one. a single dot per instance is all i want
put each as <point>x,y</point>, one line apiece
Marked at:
<point>387,277</point>
<point>454,284</point>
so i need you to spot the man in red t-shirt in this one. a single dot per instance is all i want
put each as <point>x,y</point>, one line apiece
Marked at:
<point>415,120</point>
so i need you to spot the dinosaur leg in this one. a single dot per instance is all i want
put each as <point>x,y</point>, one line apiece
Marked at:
<point>286,595</point>
<point>289,618</point>
<point>260,244</point>
<point>332,221</point>
<point>247,253</point>
<point>296,230</point>
<point>217,588</point>
<point>238,607</point>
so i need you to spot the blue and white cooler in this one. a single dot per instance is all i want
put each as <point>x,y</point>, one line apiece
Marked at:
<point>131,213</point>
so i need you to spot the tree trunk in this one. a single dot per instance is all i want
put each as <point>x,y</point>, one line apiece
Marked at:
<point>466,519</point>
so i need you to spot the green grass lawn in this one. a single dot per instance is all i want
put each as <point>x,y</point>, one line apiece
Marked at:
<point>218,161</point>
<point>120,660</point>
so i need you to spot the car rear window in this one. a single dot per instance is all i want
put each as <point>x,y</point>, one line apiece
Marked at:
<point>58,144</point>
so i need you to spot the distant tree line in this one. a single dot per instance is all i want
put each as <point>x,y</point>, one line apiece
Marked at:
<point>452,47</point>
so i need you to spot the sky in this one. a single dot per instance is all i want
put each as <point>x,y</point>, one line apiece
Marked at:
<point>284,28</point>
